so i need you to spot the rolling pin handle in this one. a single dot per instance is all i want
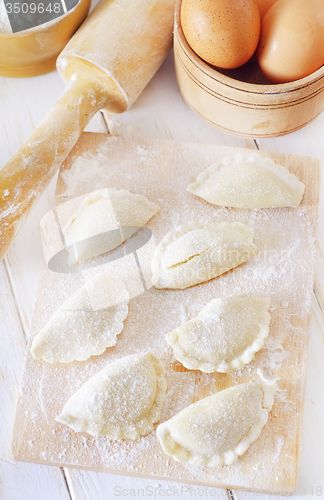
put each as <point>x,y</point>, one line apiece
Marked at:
<point>24,178</point>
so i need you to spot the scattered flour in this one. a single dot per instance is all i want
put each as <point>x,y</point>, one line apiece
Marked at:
<point>281,269</point>
<point>82,169</point>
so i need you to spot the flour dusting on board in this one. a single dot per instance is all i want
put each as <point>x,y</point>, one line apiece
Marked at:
<point>282,269</point>
<point>83,169</point>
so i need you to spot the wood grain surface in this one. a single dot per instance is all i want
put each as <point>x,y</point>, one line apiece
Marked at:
<point>159,113</point>
<point>241,101</point>
<point>161,170</point>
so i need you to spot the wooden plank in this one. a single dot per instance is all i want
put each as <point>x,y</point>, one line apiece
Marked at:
<point>23,104</point>
<point>24,258</point>
<point>311,480</point>
<point>162,170</point>
<point>18,480</point>
<point>152,121</point>
<point>159,113</point>
<point>311,468</point>
<point>307,141</point>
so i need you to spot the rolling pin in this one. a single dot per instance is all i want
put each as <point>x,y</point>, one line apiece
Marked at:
<point>106,64</point>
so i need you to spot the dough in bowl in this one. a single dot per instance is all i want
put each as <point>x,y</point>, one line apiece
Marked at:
<point>86,323</point>
<point>123,400</point>
<point>198,252</point>
<point>224,336</point>
<point>248,180</point>
<point>218,429</point>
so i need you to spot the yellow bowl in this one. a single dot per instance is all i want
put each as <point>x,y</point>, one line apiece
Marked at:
<point>242,102</point>
<point>34,51</point>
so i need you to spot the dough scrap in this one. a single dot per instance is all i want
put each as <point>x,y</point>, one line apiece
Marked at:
<point>218,429</point>
<point>248,180</point>
<point>105,212</point>
<point>197,252</point>
<point>224,336</point>
<point>123,400</point>
<point>86,323</point>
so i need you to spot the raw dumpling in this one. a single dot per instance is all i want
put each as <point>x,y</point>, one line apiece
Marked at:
<point>123,400</point>
<point>224,336</point>
<point>86,324</point>
<point>216,430</point>
<point>248,180</point>
<point>198,252</point>
<point>107,212</point>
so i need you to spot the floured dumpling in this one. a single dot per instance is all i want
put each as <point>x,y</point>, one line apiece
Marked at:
<point>216,430</point>
<point>123,400</point>
<point>198,252</point>
<point>107,212</point>
<point>248,180</point>
<point>86,324</point>
<point>224,336</point>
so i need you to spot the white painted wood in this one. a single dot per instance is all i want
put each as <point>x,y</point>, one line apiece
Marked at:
<point>311,455</point>
<point>18,480</point>
<point>311,478</point>
<point>308,141</point>
<point>180,123</point>
<point>84,485</point>
<point>25,257</point>
<point>26,101</point>
<point>23,104</point>
<point>160,112</point>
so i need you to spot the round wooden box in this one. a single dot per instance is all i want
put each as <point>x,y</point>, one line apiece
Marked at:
<point>34,51</point>
<point>241,102</point>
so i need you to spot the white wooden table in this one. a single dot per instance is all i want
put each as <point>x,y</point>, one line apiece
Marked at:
<point>160,112</point>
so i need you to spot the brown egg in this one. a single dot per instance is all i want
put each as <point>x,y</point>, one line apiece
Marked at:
<point>264,6</point>
<point>292,40</point>
<point>224,33</point>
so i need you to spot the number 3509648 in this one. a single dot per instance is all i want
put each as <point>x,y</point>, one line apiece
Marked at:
<point>25,8</point>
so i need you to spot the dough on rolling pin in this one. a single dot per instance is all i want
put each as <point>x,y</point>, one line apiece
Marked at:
<point>224,336</point>
<point>103,212</point>
<point>123,400</point>
<point>248,180</point>
<point>198,252</point>
<point>86,324</point>
<point>216,430</point>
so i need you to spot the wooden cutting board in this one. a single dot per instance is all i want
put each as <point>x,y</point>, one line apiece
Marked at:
<point>282,269</point>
